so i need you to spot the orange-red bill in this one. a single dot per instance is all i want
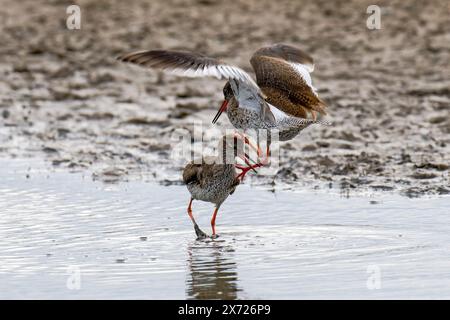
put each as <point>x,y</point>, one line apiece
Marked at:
<point>222,108</point>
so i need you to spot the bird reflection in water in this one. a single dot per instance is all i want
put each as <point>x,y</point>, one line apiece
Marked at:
<point>212,271</point>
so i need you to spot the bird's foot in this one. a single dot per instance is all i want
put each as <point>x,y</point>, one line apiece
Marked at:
<point>200,234</point>
<point>214,236</point>
<point>245,170</point>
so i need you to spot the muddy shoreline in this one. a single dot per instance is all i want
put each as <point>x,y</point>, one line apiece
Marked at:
<point>64,97</point>
<point>134,240</point>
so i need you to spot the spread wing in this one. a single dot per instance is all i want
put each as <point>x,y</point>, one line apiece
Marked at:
<point>283,75</point>
<point>188,64</point>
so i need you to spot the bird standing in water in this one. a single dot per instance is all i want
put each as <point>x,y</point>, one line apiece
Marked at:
<point>213,179</point>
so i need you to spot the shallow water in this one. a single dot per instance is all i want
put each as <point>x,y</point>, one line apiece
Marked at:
<point>63,235</point>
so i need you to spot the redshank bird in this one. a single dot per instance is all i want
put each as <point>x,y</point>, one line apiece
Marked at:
<point>283,96</point>
<point>246,109</point>
<point>213,179</point>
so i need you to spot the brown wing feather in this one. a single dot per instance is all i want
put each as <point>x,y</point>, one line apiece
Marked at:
<point>287,53</point>
<point>192,173</point>
<point>284,87</point>
<point>203,173</point>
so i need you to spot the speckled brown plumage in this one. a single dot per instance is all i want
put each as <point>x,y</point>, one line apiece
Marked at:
<point>285,52</point>
<point>211,182</point>
<point>213,179</point>
<point>284,87</point>
<point>288,127</point>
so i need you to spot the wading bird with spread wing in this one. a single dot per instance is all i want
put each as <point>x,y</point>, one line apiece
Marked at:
<point>282,98</point>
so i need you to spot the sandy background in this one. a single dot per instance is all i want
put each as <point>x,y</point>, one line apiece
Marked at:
<point>64,97</point>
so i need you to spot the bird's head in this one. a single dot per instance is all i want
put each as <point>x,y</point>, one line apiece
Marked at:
<point>228,94</point>
<point>228,91</point>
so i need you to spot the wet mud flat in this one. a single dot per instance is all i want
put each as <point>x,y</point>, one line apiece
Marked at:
<point>65,98</point>
<point>64,235</point>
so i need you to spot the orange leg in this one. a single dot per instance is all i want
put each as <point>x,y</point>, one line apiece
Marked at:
<point>200,234</point>
<point>189,210</point>
<point>268,154</point>
<point>213,222</point>
<point>266,160</point>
